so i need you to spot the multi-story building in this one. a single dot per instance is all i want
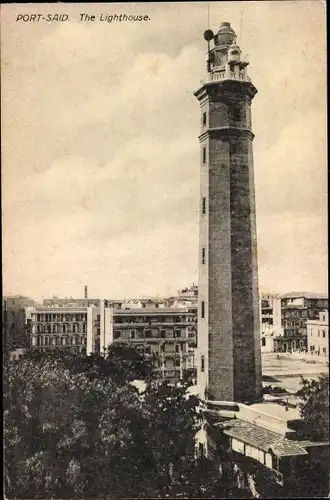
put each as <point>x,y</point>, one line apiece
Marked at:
<point>318,335</point>
<point>271,314</point>
<point>64,327</point>
<point>270,321</point>
<point>166,334</point>
<point>15,329</point>
<point>296,310</point>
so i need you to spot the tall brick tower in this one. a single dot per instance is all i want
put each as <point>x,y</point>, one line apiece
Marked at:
<point>229,366</point>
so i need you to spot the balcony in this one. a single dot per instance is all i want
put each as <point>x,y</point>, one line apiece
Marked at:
<point>225,75</point>
<point>147,324</point>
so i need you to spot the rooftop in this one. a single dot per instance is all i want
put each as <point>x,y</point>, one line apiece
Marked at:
<point>306,295</point>
<point>153,310</point>
<point>265,439</point>
<point>276,410</point>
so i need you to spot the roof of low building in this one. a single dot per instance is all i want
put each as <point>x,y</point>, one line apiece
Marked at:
<point>277,410</point>
<point>261,438</point>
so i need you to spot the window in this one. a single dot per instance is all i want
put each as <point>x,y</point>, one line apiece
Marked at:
<point>203,255</point>
<point>203,205</point>
<point>117,334</point>
<point>84,328</point>
<point>98,317</point>
<point>64,329</point>
<point>177,348</point>
<point>204,154</point>
<point>263,342</point>
<point>324,350</point>
<point>201,450</point>
<point>204,118</point>
<point>177,362</point>
<point>323,334</point>
<point>132,334</point>
<point>203,309</point>
<point>202,363</point>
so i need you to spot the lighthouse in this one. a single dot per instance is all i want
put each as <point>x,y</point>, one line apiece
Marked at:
<point>229,357</point>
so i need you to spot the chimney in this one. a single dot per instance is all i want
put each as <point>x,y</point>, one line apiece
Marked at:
<point>86,294</point>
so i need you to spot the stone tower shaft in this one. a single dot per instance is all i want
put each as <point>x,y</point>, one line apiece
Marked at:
<point>229,365</point>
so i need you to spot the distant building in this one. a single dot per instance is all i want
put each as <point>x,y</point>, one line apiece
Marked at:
<point>17,353</point>
<point>189,294</point>
<point>271,314</point>
<point>318,335</point>
<point>270,321</point>
<point>14,322</point>
<point>297,309</point>
<point>64,327</point>
<point>166,334</point>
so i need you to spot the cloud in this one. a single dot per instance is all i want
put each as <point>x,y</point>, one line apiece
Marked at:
<point>101,157</point>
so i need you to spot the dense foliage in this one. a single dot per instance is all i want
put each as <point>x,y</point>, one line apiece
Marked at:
<point>77,428</point>
<point>315,406</point>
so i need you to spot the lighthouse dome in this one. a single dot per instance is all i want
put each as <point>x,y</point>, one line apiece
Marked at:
<point>225,36</point>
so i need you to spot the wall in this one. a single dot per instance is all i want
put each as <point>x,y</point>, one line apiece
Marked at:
<point>318,336</point>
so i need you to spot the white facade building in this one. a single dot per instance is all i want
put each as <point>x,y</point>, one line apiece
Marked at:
<point>318,335</point>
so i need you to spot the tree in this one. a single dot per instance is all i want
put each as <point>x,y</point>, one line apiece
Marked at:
<point>76,428</point>
<point>315,407</point>
<point>66,435</point>
<point>120,362</point>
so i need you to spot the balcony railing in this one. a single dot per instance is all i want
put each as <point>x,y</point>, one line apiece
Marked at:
<point>143,324</point>
<point>225,75</point>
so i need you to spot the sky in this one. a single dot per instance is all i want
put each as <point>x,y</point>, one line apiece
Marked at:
<point>100,151</point>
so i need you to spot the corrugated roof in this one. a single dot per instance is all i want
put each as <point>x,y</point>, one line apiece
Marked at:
<point>286,448</point>
<point>261,438</point>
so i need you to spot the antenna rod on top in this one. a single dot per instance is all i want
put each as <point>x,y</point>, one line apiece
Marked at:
<point>208,42</point>
<point>240,30</point>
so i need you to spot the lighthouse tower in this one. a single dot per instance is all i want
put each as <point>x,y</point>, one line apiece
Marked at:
<point>229,358</point>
